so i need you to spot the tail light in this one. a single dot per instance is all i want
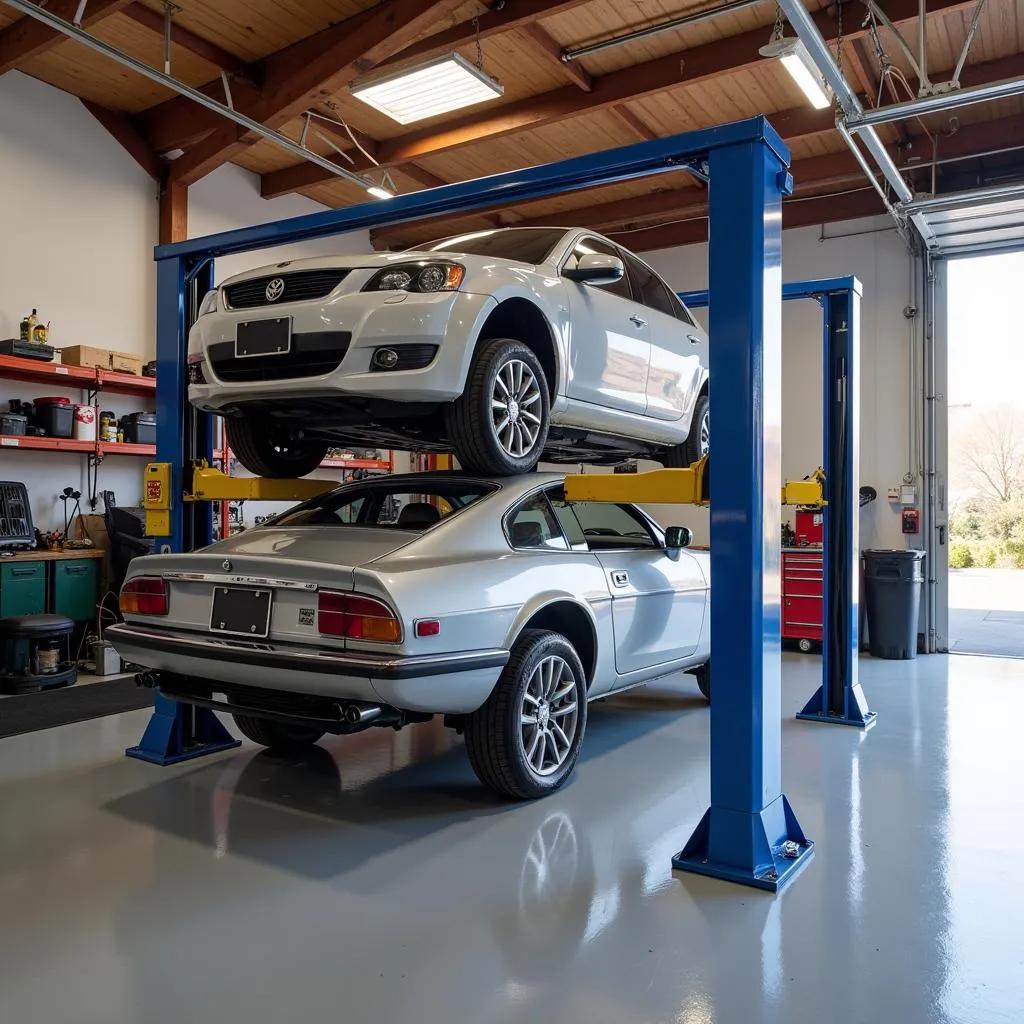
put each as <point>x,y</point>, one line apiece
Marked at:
<point>355,617</point>
<point>144,595</point>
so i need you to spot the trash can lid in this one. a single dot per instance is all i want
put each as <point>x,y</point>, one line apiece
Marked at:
<point>36,625</point>
<point>910,554</point>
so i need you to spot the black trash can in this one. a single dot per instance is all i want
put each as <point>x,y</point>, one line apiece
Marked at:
<point>892,593</point>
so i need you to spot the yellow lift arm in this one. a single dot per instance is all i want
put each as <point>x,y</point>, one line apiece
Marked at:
<point>688,486</point>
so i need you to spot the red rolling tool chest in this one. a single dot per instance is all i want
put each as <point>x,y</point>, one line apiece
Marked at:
<point>803,583</point>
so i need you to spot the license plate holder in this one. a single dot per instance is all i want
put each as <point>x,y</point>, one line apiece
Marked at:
<point>263,338</point>
<point>241,611</point>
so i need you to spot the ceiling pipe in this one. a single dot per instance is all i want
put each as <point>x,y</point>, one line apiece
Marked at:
<point>99,46</point>
<point>662,26</point>
<point>1002,90</point>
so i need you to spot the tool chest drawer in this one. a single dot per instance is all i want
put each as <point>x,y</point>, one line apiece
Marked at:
<point>22,588</point>
<point>74,589</point>
<point>803,594</point>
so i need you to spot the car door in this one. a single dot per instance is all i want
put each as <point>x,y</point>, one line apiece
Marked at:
<point>658,604</point>
<point>679,346</point>
<point>609,337</point>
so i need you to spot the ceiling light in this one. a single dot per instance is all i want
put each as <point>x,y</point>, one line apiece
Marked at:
<point>426,90</point>
<point>379,193</point>
<point>797,61</point>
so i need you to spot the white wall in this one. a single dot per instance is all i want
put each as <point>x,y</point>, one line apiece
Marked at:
<point>79,222</point>
<point>871,251</point>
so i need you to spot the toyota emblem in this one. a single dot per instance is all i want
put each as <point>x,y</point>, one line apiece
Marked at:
<point>226,565</point>
<point>275,289</point>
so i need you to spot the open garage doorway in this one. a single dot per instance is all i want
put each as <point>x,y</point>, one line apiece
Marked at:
<point>986,455</point>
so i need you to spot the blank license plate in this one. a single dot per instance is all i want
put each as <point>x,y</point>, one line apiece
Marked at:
<point>240,612</point>
<point>264,337</point>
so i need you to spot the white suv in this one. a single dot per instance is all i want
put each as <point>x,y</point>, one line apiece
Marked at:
<point>502,346</point>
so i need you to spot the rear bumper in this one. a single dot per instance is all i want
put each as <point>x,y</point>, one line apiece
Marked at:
<point>455,683</point>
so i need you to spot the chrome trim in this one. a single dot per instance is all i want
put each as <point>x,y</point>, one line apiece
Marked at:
<point>238,581</point>
<point>298,658</point>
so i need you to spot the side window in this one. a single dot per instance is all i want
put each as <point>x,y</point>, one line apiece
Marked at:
<point>588,247</point>
<point>683,313</point>
<point>610,527</point>
<point>532,524</point>
<point>567,519</point>
<point>650,289</point>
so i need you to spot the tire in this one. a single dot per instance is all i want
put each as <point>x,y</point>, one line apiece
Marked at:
<point>268,451</point>
<point>702,673</point>
<point>697,444</point>
<point>499,743</point>
<point>280,737</point>
<point>482,444</point>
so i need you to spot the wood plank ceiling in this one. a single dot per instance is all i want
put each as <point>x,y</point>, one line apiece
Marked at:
<point>285,57</point>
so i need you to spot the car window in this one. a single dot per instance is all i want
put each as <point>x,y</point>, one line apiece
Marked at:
<point>525,245</point>
<point>588,246</point>
<point>564,514</point>
<point>532,524</point>
<point>684,314</point>
<point>651,290</point>
<point>608,527</point>
<point>387,504</point>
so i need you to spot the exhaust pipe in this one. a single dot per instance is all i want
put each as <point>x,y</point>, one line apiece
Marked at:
<point>360,714</point>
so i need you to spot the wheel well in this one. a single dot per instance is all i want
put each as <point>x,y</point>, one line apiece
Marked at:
<point>521,320</point>
<point>574,624</point>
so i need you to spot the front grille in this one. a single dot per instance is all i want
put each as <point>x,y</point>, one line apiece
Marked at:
<point>301,286</point>
<point>311,355</point>
<point>410,357</point>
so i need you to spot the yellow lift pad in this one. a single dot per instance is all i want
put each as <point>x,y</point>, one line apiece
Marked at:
<point>688,486</point>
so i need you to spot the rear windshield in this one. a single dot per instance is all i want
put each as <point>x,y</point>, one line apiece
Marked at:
<point>402,505</point>
<point>526,245</point>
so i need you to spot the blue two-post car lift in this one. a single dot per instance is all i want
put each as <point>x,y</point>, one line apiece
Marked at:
<point>749,833</point>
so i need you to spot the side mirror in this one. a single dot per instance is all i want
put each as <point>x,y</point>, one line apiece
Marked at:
<point>677,538</point>
<point>596,269</point>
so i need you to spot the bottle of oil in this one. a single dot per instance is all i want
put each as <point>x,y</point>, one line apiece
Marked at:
<point>28,327</point>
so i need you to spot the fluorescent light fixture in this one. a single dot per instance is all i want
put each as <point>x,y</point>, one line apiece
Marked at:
<point>797,61</point>
<point>379,193</point>
<point>425,90</point>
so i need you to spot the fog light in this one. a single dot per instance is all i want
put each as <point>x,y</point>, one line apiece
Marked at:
<point>195,370</point>
<point>385,358</point>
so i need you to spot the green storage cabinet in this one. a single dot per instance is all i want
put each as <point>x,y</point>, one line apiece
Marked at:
<point>75,588</point>
<point>22,588</point>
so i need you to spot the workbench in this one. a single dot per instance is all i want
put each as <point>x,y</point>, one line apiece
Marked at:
<point>60,582</point>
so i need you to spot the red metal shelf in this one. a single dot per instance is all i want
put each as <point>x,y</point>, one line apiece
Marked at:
<point>67,444</point>
<point>83,377</point>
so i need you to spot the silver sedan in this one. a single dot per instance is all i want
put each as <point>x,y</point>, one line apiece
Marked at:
<point>491,601</point>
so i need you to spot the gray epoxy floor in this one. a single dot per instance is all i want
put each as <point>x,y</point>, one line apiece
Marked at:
<point>376,882</point>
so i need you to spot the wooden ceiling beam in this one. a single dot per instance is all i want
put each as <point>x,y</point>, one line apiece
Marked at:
<point>121,128</point>
<point>796,213</point>
<point>550,52</point>
<point>312,68</point>
<point>27,38</point>
<point>629,120</point>
<point>511,16</point>
<point>189,40</point>
<point>700,63</point>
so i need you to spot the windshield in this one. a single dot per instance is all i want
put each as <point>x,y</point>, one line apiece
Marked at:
<point>526,245</point>
<point>394,503</point>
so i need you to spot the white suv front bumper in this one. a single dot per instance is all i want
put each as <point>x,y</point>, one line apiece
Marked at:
<point>449,320</point>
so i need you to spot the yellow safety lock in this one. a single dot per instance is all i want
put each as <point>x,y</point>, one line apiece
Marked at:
<point>157,498</point>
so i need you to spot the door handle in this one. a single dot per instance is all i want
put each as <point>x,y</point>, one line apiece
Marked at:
<point>693,339</point>
<point>638,320</point>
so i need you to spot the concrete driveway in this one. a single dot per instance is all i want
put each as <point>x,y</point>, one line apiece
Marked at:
<point>986,612</point>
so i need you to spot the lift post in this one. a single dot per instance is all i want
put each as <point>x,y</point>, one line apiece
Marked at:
<point>749,834</point>
<point>840,699</point>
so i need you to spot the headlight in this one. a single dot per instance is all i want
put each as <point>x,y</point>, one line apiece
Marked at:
<point>209,303</point>
<point>417,277</point>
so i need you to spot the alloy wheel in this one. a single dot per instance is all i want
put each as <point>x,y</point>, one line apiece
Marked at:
<point>705,433</point>
<point>549,715</point>
<point>515,415</point>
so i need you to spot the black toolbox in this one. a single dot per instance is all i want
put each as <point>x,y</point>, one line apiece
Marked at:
<point>139,428</point>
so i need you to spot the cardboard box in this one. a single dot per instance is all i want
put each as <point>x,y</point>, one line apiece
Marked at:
<point>85,355</point>
<point>125,362</point>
